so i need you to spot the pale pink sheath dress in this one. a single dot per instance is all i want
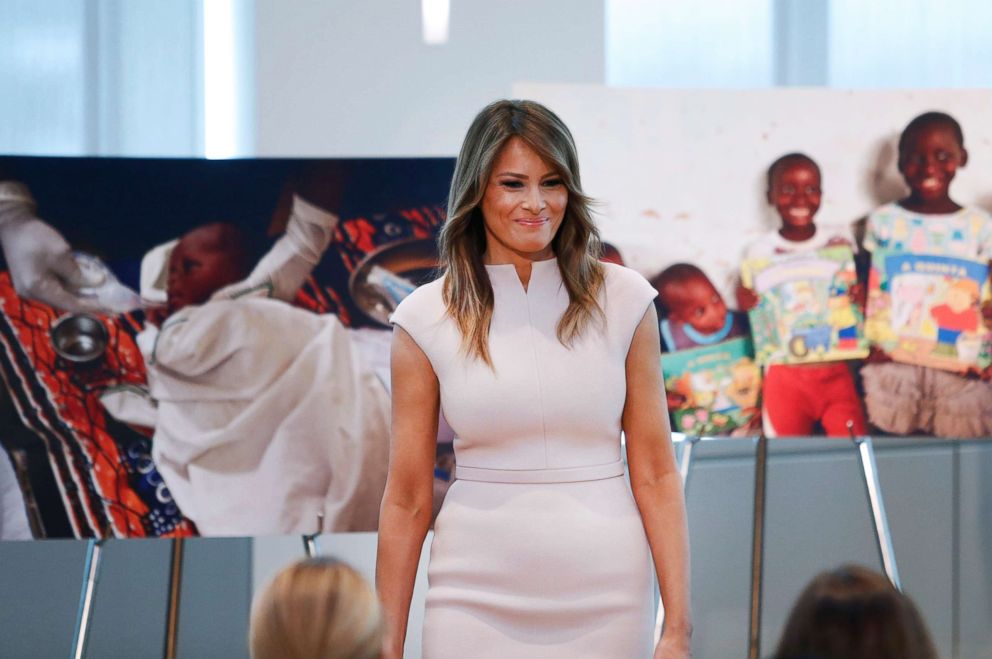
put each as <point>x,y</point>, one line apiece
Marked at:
<point>539,551</point>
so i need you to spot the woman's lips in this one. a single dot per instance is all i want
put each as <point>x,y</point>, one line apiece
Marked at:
<point>531,221</point>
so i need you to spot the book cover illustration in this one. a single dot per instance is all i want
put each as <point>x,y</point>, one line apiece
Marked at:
<point>805,313</point>
<point>720,385</point>
<point>926,309</point>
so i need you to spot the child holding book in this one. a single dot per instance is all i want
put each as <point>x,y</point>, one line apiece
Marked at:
<point>693,314</point>
<point>905,398</point>
<point>798,397</point>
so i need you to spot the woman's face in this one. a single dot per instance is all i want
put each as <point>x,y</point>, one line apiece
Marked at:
<point>523,206</point>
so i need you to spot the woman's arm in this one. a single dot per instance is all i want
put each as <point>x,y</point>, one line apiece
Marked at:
<point>657,484</point>
<point>406,504</point>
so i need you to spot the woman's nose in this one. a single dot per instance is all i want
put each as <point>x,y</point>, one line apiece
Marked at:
<point>534,200</point>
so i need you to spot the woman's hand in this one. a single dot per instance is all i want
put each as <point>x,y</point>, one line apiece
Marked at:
<point>673,646</point>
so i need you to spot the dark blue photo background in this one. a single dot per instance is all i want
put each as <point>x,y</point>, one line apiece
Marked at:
<point>119,208</point>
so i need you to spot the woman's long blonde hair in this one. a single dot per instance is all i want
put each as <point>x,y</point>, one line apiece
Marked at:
<point>468,294</point>
<point>318,607</point>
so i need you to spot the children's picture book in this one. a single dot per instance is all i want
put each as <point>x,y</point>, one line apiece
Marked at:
<point>926,309</point>
<point>721,385</point>
<point>805,313</point>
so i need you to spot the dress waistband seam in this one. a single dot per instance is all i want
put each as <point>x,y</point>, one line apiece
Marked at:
<point>552,475</point>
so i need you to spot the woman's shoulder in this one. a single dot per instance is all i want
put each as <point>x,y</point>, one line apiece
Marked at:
<point>619,277</point>
<point>626,287</point>
<point>424,305</point>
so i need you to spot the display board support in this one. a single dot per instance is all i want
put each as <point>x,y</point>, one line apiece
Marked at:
<point>91,572</point>
<point>685,461</point>
<point>757,547</point>
<point>175,590</point>
<point>873,488</point>
<point>310,539</point>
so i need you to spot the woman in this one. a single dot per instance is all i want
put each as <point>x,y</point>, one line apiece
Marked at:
<point>540,355</point>
<point>854,613</point>
<point>317,608</point>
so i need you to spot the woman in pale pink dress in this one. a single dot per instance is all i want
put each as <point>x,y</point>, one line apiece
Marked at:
<point>539,355</point>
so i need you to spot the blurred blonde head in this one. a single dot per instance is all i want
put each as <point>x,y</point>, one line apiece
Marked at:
<point>317,609</point>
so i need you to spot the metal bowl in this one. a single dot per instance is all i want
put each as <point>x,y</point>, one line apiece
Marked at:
<point>79,338</point>
<point>415,259</point>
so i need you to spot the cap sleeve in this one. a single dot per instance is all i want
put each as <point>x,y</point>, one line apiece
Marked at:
<point>628,296</point>
<point>419,314</point>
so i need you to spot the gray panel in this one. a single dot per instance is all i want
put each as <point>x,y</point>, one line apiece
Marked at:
<point>975,567</point>
<point>39,583</point>
<point>216,598</point>
<point>817,519</point>
<point>129,606</point>
<point>719,509</point>
<point>918,484</point>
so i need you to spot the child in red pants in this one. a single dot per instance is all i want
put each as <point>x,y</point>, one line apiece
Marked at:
<point>799,397</point>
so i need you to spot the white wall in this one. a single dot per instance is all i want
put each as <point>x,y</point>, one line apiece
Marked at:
<point>355,78</point>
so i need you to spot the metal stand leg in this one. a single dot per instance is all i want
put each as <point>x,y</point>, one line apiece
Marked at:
<point>883,538</point>
<point>757,547</point>
<point>91,571</point>
<point>685,461</point>
<point>310,539</point>
<point>685,468</point>
<point>175,586</point>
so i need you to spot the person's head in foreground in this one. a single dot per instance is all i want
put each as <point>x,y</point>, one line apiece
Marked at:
<point>205,260</point>
<point>688,296</point>
<point>931,150</point>
<point>794,189</point>
<point>854,613</point>
<point>516,198</point>
<point>318,608</point>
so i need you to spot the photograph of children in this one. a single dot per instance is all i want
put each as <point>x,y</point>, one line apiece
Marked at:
<point>717,178</point>
<point>234,380</point>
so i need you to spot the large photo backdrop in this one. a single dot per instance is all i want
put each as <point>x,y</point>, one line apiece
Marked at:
<point>262,411</point>
<point>773,213</point>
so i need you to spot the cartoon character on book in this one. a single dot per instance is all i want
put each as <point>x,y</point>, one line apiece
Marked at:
<point>957,316</point>
<point>842,317</point>
<point>903,398</point>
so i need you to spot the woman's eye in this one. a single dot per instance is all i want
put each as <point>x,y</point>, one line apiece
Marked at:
<point>788,189</point>
<point>552,183</point>
<point>513,185</point>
